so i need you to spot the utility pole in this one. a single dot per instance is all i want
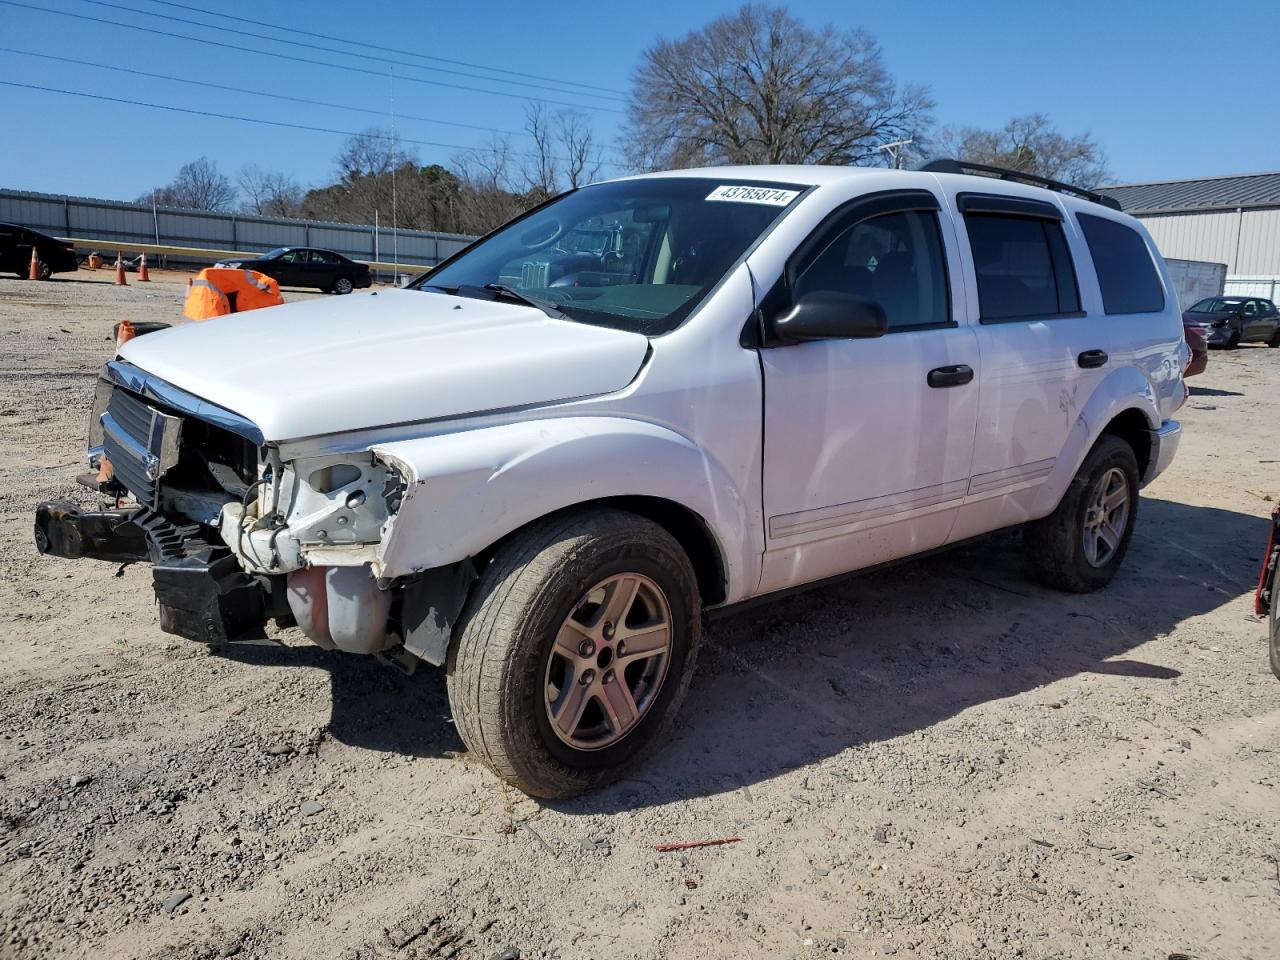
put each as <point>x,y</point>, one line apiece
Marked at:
<point>894,149</point>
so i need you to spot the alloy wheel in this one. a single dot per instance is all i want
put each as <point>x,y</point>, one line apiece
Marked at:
<point>609,662</point>
<point>1106,517</point>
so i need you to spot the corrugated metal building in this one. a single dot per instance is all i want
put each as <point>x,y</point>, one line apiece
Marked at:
<point>1233,220</point>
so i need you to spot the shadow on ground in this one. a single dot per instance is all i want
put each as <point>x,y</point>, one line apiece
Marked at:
<point>787,683</point>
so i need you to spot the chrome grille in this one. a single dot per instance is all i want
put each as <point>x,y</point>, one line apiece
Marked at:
<point>140,441</point>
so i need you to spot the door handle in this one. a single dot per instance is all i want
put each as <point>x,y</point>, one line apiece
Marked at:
<point>1092,358</point>
<point>956,375</point>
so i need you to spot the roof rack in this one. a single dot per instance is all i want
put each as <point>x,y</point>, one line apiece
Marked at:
<point>948,165</point>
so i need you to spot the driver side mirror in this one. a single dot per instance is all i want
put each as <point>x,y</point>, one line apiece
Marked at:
<point>829,315</point>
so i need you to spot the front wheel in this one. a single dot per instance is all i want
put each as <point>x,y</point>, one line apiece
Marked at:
<point>343,285</point>
<point>575,652</point>
<point>1079,546</point>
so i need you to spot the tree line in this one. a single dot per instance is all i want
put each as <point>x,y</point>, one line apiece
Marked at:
<point>755,86</point>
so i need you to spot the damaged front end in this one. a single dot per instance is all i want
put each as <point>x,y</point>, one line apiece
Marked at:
<point>235,536</point>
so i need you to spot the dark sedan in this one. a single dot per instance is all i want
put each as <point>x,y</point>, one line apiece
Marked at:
<point>1231,321</point>
<point>307,267</point>
<point>53,256</point>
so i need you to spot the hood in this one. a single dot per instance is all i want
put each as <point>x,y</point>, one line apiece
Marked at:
<point>395,356</point>
<point>1204,319</point>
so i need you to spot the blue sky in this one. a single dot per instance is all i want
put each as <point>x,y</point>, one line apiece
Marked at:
<point>1175,89</point>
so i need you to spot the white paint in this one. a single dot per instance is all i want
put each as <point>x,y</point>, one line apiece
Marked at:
<point>396,356</point>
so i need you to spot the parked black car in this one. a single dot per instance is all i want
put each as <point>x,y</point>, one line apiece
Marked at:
<point>307,267</point>
<point>1231,321</point>
<point>55,256</point>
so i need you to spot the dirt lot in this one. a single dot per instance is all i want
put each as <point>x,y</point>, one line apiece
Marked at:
<point>940,761</point>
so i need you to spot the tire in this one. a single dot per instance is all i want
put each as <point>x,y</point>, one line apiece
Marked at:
<point>45,271</point>
<point>508,675</point>
<point>1058,546</point>
<point>1275,339</point>
<point>343,286</point>
<point>1234,340</point>
<point>1273,634</point>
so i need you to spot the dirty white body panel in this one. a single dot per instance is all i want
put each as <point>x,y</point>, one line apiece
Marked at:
<point>394,356</point>
<point>802,461</point>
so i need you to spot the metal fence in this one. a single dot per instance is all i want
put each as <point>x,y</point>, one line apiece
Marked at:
<point>108,221</point>
<point>1266,287</point>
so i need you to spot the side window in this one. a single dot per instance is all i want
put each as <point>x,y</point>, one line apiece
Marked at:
<point>1023,267</point>
<point>1127,276</point>
<point>1251,308</point>
<point>1268,308</point>
<point>895,259</point>
<point>322,256</point>
<point>294,256</point>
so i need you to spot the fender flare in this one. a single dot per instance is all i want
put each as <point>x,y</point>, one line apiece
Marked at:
<point>1123,388</point>
<point>466,490</point>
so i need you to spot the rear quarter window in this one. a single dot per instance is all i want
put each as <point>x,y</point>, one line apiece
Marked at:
<point>1126,273</point>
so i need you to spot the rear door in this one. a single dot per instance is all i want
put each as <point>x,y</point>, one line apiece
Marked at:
<point>325,268</point>
<point>867,443</point>
<point>1251,325</point>
<point>1042,356</point>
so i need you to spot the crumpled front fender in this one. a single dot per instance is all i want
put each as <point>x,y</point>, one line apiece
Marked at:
<point>468,489</point>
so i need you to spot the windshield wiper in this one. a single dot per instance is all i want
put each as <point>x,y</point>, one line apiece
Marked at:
<point>546,306</point>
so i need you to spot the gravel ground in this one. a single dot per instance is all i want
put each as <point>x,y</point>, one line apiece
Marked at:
<point>943,760</point>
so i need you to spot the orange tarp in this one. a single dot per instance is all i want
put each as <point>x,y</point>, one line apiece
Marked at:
<point>221,290</point>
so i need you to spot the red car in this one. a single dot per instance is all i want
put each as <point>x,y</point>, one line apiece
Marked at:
<point>1267,599</point>
<point>1199,345</point>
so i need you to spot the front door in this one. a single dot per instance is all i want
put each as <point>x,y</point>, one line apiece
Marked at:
<point>867,443</point>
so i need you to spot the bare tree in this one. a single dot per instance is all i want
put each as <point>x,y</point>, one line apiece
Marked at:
<point>372,153</point>
<point>759,86</point>
<point>487,198</point>
<point>583,159</point>
<point>1030,144</point>
<point>270,193</point>
<point>565,153</point>
<point>198,186</point>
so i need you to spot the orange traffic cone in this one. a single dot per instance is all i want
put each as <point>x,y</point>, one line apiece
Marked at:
<point>125,331</point>
<point>120,280</point>
<point>143,275</point>
<point>33,271</point>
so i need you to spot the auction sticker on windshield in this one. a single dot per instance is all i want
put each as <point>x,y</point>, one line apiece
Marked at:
<point>745,194</point>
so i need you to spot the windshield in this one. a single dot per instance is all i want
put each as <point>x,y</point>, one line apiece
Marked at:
<point>637,255</point>
<point>272,254</point>
<point>1215,305</point>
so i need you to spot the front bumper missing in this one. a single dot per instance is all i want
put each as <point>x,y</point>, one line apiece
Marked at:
<point>203,593</point>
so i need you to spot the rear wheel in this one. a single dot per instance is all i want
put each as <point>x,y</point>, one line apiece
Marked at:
<point>1274,644</point>
<point>1275,339</point>
<point>1079,546</point>
<point>343,285</point>
<point>575,652</point>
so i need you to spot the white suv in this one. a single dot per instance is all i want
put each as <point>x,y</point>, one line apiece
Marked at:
<point>648,397</point>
